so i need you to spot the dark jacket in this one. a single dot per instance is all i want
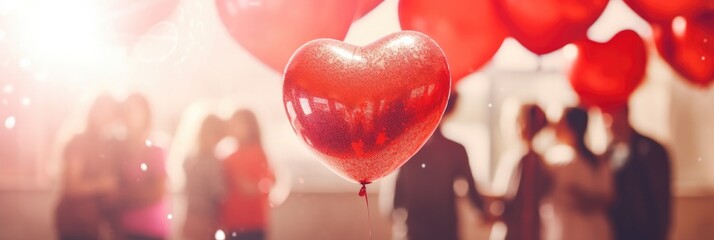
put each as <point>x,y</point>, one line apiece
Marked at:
<point>642,207</point>
<point>425,188</point>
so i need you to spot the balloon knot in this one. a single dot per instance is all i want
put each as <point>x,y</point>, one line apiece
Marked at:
<point>363,190</point>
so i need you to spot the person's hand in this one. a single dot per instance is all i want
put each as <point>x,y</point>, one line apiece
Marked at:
<point>489,218</point>
<point>494,207</point>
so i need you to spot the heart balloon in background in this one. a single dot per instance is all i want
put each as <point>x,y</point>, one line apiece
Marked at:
<point>132,18</point>
<point>366,110</point>
<point>664,10</point>
<point>687,44</point>
<point>605,74</point>
<point>468,30</point>
<point>543,26</point>
<point>271,30</point>
<point>366,6</point>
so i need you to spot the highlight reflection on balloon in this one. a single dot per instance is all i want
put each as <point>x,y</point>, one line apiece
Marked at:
<point>366,110</point>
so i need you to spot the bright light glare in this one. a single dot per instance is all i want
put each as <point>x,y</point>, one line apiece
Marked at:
<point>59,30</point>
<point>220,235</point>
<point>570,51</point>
<point>679,25</point>
<point>10,122</point>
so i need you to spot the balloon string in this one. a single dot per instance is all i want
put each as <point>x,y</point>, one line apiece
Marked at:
<point>363,193</point>
<point>539,68</point>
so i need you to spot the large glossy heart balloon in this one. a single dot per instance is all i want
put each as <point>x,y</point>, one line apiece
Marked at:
<point>271,30</point>
<point>468,30</point>
<point>687,44</point>
<point>129,19</point>
<point>543,26</point>
<point>366,110</point>
<point>606,74</point>
<point>664,11</point>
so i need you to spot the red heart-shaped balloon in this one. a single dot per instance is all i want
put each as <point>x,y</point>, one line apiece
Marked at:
<point>543,26</point>
<point>687,46</point>
<point>271,30</point>
<point>468,30</point>
<point>606,74</point>
<point>664,10</point>
<point>366,6</point>
<point>366,110</point>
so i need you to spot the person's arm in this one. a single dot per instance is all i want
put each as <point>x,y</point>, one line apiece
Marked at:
<point>597,195</point>
<point>463,169</point>
<point>76,184</point>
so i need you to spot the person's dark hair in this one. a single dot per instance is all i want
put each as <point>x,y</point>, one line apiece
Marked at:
<point>211,126</point>
<point>244,116</point>
<point>533,119</point>
<point>137,100</point>
<point>451,104</point>
<point>102,103</point>
<point>576,119</point>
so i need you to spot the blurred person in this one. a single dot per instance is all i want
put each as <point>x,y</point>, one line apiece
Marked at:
<point>530,182</point>
<point>425,186</point>
<point>643,178</point>
<point>249,178</point>
<point>582,184</point>
<point>87,175</point>
<point>204,182</point>
<point>144,209</point>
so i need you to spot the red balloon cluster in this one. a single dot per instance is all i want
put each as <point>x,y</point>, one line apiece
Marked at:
<point>471,31</point>
<point>664,11</point>
<point>468,31</point>
<point>683,30</point>
<point>366,110</point>
<point>686,44</point>
<point>606,74</point>
<point>543,26</point>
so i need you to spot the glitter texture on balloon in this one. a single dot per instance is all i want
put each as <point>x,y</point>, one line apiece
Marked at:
<point>366,110</point>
